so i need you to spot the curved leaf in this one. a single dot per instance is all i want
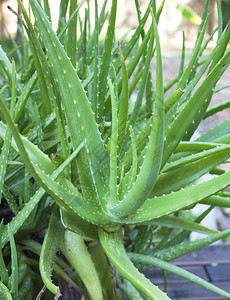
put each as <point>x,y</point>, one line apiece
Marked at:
<point>23,214</point>
<point>186,170</point>
<point>52,240</point>
<point>5,293</point>
<point>75,250</point>
<point>160,206</point>
<point>112,243</point>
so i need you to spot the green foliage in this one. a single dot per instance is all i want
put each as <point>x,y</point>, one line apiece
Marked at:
<point>106,176</point>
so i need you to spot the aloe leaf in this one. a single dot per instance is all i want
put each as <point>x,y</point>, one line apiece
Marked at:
<point>161,264</point>
<point>96,61</point>
<point>204,16</point>
<point>61,128</point>
<point>75,250</point>
<point>181,236</point>
<point>66,278</point>
<point>151,165</point>
<point>72,200</point>
<point>206,44</point>
<point>72,35</point>
<point>141,142</point>
<point>62,14</point>
<point>214,134</point>
<point>38,157</point>
<point>93,170</point>
<point>23,214</point>
<point>26,186</point>
<point>38,126</point>
<point>22,99</point>
<point>13,280</point>
<point>172,99</point>
<point>138,9</point>
<point>4,156</point>
<point>112,243</point>
<point>180,223</point>
<point>84,65</point>
<point>138,102</point>
<point>188,169</point>
<point>128,179</point>
<point>221,46</point>
<point>164,205</point>
<point>3,270</point>
<point>123,102</point>
<point>135,81</point>
<point>219,52</point>
<point>192,107</point>
<point>26,288</point>
<point>6,66</point>
<point>191,147</point>
<point>52,240</point>
<point>220,20</point>
<point>59,265</point>
<point>103,269</point>
<point>101,20</point>
<point>128,289</point>
<point>185,248</point>
<point>5,293</point>
<point>183,80</point>
<point>38,56</point>
<point>4,159</point>
<point>47,8</point>
<point>216,108</point>
<point>202,150</point>
<point>149,83</point>
<point>144,239</point>
<point>105,61</point>
<point>113,148</point>
<point>71,18</point>
<point>134,62</point>
<point>129,46</point>
<point>133,173</point>
<point>217,200</point>
<point>78,225</point>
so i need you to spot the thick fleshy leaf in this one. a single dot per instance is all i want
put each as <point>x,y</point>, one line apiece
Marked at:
<point>78,225</point>
<point>92,162</point>
<point>25,212</point>
<point>5,293</point>
<point>152,161</point>
<point>180,223</point>
<point>52,240</point>
<point>112,243</point>
<point>184,171</point>
<point>105,61</point>
<point>74,249</point>
<point>192,107</point>
<point>62,194</point>
<point>176,251</point>
<point>166,204</point>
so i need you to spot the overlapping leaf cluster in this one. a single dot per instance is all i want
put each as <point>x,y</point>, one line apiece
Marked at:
<point>105,174</point>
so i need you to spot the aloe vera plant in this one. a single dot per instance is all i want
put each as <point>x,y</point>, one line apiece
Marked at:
<point>110,179</point>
